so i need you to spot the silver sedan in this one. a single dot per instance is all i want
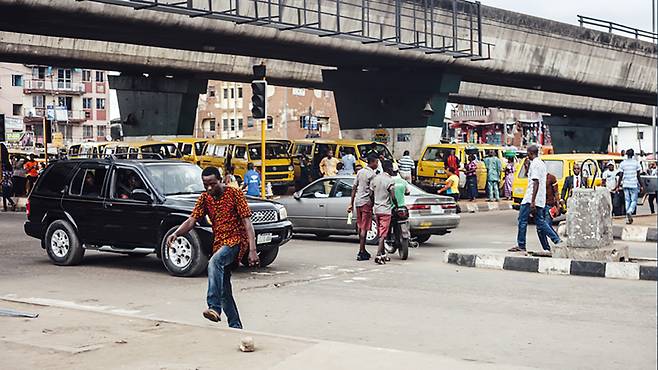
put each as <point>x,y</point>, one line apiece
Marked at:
<point>321,209</point>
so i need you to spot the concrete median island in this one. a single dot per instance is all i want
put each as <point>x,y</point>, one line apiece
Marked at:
<point>635,269</point>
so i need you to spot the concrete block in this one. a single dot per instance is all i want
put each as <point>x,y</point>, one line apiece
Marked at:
<point>652,234</point>
<point>554,266</point>
<point>527,264</point>
<point>622,270</point>
<point>471,208</point>
<point>492,206</point>
<point>589,220</point>
<point>609,254</point>
<point>588,268</point>
<point>648,272</point>
<point>490,261</point>
<point>467,260</point>
<point>632,233</point>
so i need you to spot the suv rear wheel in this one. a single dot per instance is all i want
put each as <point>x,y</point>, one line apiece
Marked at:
<point>62,244</point>
<point>265,257</point>
<point>186,258</point>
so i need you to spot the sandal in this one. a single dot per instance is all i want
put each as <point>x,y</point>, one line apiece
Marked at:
<point>516,249</point>
<point>380,260</point>
<point>386,258</point>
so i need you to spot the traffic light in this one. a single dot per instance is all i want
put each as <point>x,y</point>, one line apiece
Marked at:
<point>259,99</point>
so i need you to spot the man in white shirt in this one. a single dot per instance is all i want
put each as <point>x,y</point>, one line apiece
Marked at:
<point>534,202</point>
<point>609,180</point>
<point>630,181</point>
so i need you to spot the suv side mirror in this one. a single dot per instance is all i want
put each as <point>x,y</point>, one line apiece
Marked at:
<point>297,194</point>
<point>141,195</point>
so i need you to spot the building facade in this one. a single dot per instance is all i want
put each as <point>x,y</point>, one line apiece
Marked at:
<point>631,136</point>
<point>293,113</point>
<point>74,100</point>
<point>475,124</point>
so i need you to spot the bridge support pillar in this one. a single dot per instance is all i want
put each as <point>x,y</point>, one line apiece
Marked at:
<point>157,105</point>
<point>387,105</point>
<point>580,134</point>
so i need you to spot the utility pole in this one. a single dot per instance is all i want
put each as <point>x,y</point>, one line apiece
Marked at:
<point>654,19</point>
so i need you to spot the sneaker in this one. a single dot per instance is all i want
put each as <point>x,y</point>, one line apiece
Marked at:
<point>363,256</point>
<point>630,219</point>
<point>212,315</point>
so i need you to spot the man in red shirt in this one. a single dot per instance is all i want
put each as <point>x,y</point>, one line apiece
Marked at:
<point>230,216</point>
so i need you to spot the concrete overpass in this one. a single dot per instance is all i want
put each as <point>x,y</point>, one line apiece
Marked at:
<point>137,59</point>
<point>528,52</point>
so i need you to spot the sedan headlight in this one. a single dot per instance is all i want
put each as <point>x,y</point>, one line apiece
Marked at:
<point>291,168</point>
<point>283,213</point>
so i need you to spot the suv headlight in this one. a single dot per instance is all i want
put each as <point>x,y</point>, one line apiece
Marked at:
<point>291,168</point>
<point>283,213</point>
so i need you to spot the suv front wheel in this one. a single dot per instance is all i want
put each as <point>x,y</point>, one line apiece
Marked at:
<point>62,244</point>
<point>186,257</point>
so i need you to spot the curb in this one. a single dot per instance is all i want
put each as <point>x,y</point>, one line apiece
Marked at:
<point>552,266</point>
<point>632,233</point>
<point>468,207</point>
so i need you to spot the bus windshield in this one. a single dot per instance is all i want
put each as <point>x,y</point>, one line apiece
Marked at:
<point>273,150</point>
<point>366,149</point>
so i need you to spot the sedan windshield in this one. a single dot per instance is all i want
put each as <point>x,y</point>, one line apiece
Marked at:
<point>175,178</point>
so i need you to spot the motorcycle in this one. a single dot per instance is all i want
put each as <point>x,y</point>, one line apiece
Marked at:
<point>399,236</point>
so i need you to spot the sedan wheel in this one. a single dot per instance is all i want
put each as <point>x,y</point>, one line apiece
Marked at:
<point>62,244</point>
<point>186,256</point>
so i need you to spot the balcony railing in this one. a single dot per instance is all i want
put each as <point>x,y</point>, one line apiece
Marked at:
<point>59,86</point>
<point>37,114</point>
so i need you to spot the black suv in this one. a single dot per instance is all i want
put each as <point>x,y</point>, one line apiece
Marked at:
<point>130,207</point>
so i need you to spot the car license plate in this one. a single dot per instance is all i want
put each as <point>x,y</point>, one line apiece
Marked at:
<point>264,238</point>
<point>440,172</point>
<point>437,210</point>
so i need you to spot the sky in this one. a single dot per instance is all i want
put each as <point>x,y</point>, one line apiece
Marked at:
<point>632,13</point>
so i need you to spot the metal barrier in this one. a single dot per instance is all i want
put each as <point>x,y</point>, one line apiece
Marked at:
<point>611,27</point>
<point>452,27</point>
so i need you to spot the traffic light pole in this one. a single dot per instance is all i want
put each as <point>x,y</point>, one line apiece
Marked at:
<point>263,122</point>
<point>45,139</point>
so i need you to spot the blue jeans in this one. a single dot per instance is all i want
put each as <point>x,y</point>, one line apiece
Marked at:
<point>546,232</point>
<point>493,189</point>
<point>631,194</point>
<point>220,292</point>
<point>542,227</point>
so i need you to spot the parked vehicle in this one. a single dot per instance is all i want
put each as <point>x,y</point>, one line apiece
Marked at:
<point>191,148</point>
<point>320,208</point>
<point>143,150</point>
<point>86,150</point>
<point>316,149</point>
<point>130,207</point>
<point>431,173</point>
<point>238,153</point>
<point>561,166</point>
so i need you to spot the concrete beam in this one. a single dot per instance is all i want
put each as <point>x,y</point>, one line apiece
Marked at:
<point>548,102</point>
<point>23,48</point>
<point>529,52</point>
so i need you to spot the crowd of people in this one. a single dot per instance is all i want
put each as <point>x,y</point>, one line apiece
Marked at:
<point>18,178</point>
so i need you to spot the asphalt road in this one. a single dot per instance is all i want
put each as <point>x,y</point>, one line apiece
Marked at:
<point>316,289</point>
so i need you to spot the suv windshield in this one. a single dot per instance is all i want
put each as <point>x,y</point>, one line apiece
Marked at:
<point>175,178</point>
<point>272,151</point>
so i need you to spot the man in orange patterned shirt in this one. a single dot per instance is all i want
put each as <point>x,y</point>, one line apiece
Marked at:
<point>229,214</point>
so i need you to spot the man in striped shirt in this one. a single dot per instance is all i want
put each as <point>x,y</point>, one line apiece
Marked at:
<point>406,166</point>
